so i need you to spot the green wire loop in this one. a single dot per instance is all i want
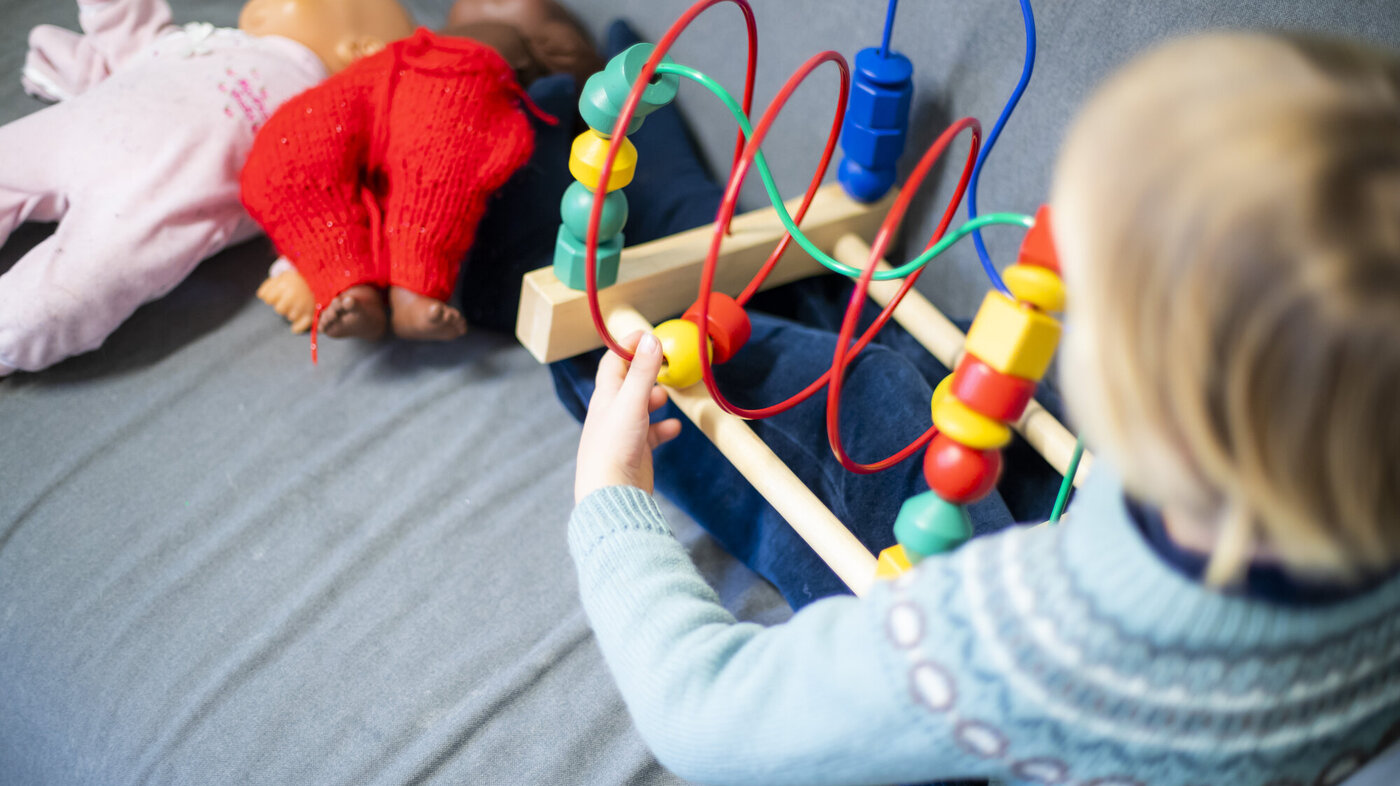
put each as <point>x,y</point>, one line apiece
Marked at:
<point>989,219</point>
<point>1068,482</point>
<point>946,242</point>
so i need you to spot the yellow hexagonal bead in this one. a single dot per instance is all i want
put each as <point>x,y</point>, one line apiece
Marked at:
<point>1035,285</point>
<point>892,562</point>
<point>968,426</point>
<point>589,152</point>
<point>680,343</point>
<point>1013,339</point>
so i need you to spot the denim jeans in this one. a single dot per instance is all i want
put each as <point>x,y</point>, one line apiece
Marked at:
<point>884,405</point>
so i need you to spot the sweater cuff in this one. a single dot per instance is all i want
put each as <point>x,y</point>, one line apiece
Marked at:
<point>610,511</point>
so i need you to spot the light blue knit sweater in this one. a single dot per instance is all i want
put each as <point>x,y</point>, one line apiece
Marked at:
<point>1052,655</point>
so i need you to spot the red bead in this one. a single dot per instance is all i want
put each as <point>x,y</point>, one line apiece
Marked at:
<point>729,325</point>
<point>960,474</point>
<point>990,392</point>
<point>1038,248</point>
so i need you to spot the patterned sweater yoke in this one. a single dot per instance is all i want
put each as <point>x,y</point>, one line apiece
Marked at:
<point>1065,655</point>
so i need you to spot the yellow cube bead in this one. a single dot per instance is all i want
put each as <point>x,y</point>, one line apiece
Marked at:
<point>1037,286</point>
<point>892,562</point>
<point>680,343</point>
<point>1013,339</point>
<point>968,426</point>
<point>589,152</point>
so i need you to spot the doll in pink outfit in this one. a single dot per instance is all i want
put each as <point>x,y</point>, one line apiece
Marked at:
<point>139,162</point>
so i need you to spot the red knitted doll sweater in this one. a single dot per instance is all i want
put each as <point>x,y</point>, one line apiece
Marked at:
<point>380,174</point>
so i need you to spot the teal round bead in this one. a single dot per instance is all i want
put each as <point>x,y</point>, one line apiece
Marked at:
<point>927,524</point>
<point>606,91</point>
<point>577,204</point>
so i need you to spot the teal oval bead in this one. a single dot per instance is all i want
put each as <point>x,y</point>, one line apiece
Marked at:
<point>577,204</point>
<point>606,91</point>
<point>927,524</point>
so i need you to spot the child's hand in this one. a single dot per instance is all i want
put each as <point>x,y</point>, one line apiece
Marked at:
<point>615,449</point>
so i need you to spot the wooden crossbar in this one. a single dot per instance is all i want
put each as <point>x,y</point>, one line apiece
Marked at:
<point>657,281</point>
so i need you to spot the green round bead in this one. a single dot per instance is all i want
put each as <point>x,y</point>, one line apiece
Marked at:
<point>928,524</point>
<point>577,204</point>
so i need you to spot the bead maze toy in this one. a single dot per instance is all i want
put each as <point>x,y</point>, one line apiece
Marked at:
<point>997,365</point>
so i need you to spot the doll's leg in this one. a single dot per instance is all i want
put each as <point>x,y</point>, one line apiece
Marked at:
<point>72,290</point>
<point>61,64</point>
<point>28,175</point>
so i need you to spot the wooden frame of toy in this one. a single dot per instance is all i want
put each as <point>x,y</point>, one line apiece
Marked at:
<point>596,290</point>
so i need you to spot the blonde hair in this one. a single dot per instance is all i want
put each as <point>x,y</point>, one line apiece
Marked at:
<point>1227,209</point>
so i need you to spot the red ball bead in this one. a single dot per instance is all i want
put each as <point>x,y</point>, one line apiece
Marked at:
<point>958,473</point>
<point>729,327</point>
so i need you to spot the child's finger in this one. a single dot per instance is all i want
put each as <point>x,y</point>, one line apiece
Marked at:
<point>641,377</point>
<point>661,433</point>
<point>656,399</point>
<point>612,369</point>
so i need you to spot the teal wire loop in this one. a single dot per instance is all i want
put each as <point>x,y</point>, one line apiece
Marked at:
<point>771,187</point>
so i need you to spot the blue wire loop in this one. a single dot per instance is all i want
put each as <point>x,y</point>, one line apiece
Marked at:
<point>1029,17</point>
<point>889,28</point>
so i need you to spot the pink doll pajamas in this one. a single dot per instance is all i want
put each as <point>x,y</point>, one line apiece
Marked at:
<point>139,164</point>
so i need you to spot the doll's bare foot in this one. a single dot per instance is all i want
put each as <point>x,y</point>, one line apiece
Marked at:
<point>423,318</point>
<point>286,291</point>
<point>358,312</point>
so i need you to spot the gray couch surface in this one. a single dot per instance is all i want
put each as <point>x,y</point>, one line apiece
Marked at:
<point>221,564</point>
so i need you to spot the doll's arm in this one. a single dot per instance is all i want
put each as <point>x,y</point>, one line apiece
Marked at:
<point>288,294</point>
<point>61,63</point>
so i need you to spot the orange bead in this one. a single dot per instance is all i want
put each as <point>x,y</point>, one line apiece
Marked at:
<point>1038,247</point>
<point>729,326</point>
<point>990,392</point>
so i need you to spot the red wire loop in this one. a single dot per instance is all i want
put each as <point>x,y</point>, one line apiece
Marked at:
<point>745,154</point>
<point>619,132</point>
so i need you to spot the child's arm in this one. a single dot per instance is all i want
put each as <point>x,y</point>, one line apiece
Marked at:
<point>824,698</point>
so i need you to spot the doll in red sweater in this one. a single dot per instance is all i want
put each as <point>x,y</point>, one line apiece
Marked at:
<point>372,183</point>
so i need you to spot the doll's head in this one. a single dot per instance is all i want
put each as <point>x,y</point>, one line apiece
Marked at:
<point>338,31</point>
<point>508,41</point>
<point>557,40</point>
<point>1227,212</point>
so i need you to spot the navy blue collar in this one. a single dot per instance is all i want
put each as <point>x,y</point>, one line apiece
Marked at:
<point>1262,582</point>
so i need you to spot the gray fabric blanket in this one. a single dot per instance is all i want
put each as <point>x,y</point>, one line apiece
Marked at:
<point>220,564</point>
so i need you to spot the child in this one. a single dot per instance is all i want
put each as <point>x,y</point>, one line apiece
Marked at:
<point>1222,606</point>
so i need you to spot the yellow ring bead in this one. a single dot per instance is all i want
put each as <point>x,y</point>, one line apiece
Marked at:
<point>680,343</point>
<point>940,392</point>
<point>969,427</point>
<point>1037,286</point>
<point>586,159</point>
